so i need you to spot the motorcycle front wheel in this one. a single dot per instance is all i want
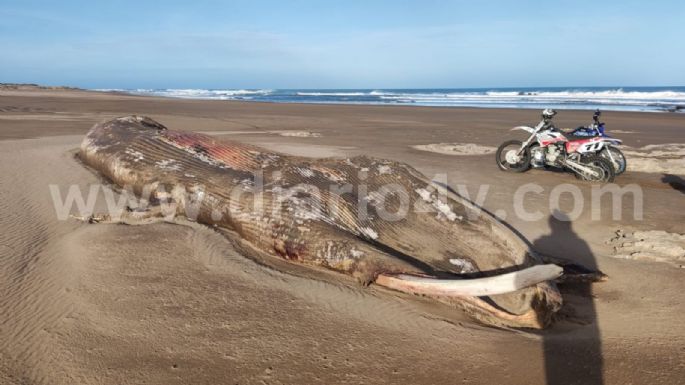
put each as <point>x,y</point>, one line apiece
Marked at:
<point>601,166</point>
<point>508,158</point>
<point>616,157</point>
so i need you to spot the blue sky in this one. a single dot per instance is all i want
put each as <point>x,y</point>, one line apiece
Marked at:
<point>342,44</point>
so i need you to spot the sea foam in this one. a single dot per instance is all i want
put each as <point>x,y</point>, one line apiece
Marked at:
<point>606,98</point>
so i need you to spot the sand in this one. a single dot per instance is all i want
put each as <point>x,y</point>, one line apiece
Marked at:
<point>666,158</point>
<point>456,148</point>
<point>177,302</point>
<point>654,245</point>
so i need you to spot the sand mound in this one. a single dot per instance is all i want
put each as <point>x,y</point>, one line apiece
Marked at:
<point>297,134</point>
<point>291,133</point>
<point>657,158</point>
<point>654,245</point>
<point>622,132</point>
<point>456,148</point>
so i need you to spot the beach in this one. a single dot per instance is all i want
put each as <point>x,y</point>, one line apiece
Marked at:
<point>169,303</point>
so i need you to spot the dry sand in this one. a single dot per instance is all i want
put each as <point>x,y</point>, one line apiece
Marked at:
<point>666,158</point>
<point>179,303</point>
<point>653,245</point>
<point>456,148</point>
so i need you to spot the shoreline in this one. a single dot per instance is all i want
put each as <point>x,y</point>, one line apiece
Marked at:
<point>675,109</point>
<point>232,115</point>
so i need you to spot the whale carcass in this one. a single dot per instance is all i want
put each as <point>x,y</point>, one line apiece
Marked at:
<point>377,220</point>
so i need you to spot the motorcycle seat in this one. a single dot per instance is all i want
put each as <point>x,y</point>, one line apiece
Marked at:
<point>581,133</point>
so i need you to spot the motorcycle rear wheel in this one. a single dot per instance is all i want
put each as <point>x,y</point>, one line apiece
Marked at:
<point>507,160</point>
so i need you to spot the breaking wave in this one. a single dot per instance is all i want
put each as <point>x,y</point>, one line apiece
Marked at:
<point>623,99</point>
<point>192,93</point>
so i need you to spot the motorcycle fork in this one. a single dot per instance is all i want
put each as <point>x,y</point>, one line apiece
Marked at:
<point>611,157</point>
<point>525,144</point>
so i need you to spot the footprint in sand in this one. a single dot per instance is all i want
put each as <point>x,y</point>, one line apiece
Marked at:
<point>654,245</point>
<point>656,158</point>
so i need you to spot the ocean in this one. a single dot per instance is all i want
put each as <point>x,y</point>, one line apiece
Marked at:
<point>655,99</point>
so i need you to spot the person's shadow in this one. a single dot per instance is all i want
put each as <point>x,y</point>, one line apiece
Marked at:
<point>676,182</point>
<point>572,347</point>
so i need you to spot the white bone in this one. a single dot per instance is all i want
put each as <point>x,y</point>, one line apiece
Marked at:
<point>478,287</point>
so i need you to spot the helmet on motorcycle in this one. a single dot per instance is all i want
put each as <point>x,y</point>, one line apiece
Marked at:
<point>548,113</point>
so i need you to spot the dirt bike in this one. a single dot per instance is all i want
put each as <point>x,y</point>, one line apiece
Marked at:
<point>548,147</point>
<point>610,149</point>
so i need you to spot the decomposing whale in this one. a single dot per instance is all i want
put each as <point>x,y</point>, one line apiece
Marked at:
<point>380,221</point>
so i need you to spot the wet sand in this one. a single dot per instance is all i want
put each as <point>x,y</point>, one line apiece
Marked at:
<point>168,303</point>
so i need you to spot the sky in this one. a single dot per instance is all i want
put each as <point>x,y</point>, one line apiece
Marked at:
<point>342,44</point>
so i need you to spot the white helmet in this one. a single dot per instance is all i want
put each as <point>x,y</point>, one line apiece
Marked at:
<point>548,113</point>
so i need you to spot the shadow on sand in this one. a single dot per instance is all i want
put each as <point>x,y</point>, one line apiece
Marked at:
<point>676,182</point>
<point>572,347</point>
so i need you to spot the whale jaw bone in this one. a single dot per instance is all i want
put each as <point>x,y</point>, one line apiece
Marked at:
<point>468,290</point>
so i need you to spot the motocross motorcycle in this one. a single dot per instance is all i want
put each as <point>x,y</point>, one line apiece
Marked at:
<point>610,149</point>
<point>548,147</point>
